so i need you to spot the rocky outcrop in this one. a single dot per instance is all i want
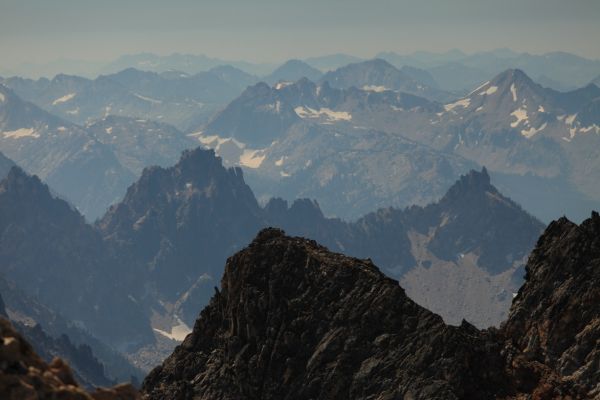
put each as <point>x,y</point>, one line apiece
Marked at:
<point>554,323</point>
<point>23,374</point>
<point>181,222</point>
<point>293,320</point>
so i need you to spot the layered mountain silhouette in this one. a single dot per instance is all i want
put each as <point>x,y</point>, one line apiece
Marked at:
<point>527,135</point>
<point>294,320</point>
<point>301,140</point>
<point>293,70</point>
<point>380,75</point>
<point>181,99</point>
<point>94,362</point>
<point>176,227</point>
<point>138,143</point>
<point>52,254</point>
<point>64,155</point>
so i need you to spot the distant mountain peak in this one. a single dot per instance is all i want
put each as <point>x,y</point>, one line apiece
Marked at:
<point>516,76</point>
<point>292,70</point>
<point>473,181</point>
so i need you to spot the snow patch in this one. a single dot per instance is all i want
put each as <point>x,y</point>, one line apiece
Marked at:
<point>73,112</point>
<point>479,108</point>
<point>541,109</point>
<point>374,88</point>
<point>284,174</point>
<point>2,98</point>
<point>148,99</point>
<point>521,115</point>
<point>64,99</point>
<point>252,158</point>
<point>464,103</point>
<point>490,90</point>
<point>215,141</point>
<point>276,107</point>
<point>178,332</point>
<point>570,119</point>
<point>572,133</point>
<point>528,133</point>
<point>513,90</point>
<point>279,162</point>
<point>587,129</point>
<point>281,85</point>
<point>61,129</point>
<point>21,133</point>
<point>328,114</point>
<point>109,130</point>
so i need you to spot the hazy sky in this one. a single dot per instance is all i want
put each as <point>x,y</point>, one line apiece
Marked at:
<point>268,30</point>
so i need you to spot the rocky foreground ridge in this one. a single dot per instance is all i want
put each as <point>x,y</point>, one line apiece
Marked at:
<point>24,375</point>
<point>295,321</point>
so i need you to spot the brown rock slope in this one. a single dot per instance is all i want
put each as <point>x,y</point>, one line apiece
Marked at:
<point>23,374</point>
<point>295,321</point>
<point>554,322</point>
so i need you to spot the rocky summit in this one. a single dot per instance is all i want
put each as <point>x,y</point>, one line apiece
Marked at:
<point>295,321</point>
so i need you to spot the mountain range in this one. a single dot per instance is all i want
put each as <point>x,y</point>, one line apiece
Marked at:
<point>285,136</point>
<point>178,98</point>
<point>198,210</point>
<point>455,70</point>
<point>294,130</point>
<point>169,237</point>
<point>373,160</point>
<point>379,75</point>
<point>63,154</point>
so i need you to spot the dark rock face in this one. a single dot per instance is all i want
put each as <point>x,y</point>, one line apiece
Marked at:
<point>555,318</point>
<point>2,308</point>
<point>295,321</point>
<point>5,165</point>
<point>180,222</point>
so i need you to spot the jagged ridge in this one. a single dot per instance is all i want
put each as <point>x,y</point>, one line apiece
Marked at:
<point>296,321</point>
